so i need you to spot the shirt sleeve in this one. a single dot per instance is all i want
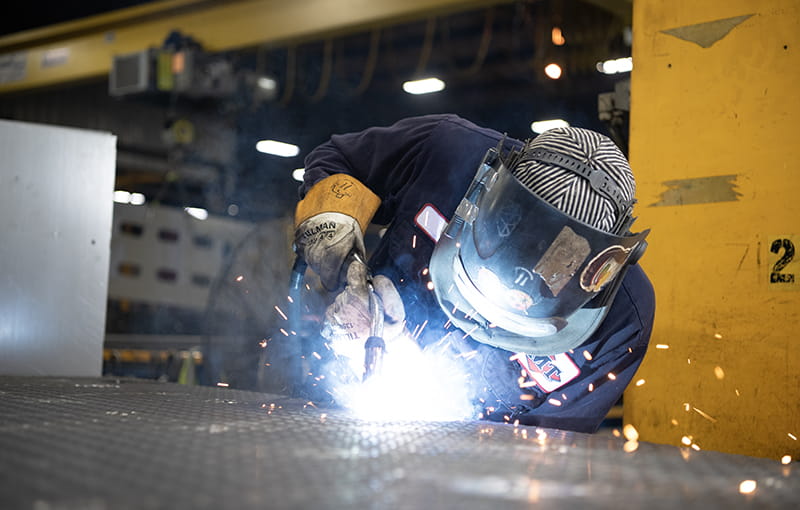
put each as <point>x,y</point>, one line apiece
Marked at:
<point>385,159</point>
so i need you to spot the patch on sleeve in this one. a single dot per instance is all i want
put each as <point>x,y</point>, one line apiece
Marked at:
<point>431,221</point>
<point>548,372</point>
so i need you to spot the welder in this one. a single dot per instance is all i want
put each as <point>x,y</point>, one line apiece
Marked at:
<point>517,254</point>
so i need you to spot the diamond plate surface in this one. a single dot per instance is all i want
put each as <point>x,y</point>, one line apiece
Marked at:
<point>68,443</point>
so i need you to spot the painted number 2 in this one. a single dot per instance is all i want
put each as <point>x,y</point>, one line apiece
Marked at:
<point>788,254</point>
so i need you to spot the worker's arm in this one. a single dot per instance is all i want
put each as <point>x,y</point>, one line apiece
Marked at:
<point>384,159</point>
<point>347,180</point>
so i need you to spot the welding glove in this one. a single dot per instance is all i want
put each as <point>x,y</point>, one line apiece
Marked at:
<point>330,223</point>
<point>348,320</point>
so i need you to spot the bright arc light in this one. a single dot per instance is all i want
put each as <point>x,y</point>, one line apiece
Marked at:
<point>436,389</point>
<point>553,71</point>
<point>196,212</point>
<point>425,86</point>
<point>619,65</point>
<point>540,126</point>
<point>276,148</point>
<point>297,174</point>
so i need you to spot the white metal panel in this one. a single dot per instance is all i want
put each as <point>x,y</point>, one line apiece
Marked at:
<point>56,188</point>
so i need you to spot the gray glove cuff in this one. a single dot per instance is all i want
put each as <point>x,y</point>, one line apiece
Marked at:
<point>325,241</point>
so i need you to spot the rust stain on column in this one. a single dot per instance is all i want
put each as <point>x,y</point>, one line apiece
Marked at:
<point>706,34</point>
<point>701,190</point>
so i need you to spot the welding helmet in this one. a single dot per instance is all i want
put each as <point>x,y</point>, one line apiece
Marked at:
<point>536,250</point>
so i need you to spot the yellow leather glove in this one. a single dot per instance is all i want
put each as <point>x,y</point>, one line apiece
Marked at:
<point>330,223</point>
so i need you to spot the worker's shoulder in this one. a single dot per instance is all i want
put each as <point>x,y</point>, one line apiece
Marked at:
<point>638,291</point>
<point>451,122</point>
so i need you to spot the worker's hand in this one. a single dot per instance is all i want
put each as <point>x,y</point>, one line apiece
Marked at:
<point>348,320</point>
<point>325,240</point>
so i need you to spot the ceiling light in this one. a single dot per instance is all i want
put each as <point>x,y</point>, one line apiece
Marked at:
<point>297,174</point>
<point>276,148</point>
<point>196,212</point>
<point>619,65</point>
<point>425,86</point>
<point>122,197</point>
<point>137,199</point>
<point>557,37</point>
<point>540,126</point>
<point>553,71</point>
<point>267,83</point>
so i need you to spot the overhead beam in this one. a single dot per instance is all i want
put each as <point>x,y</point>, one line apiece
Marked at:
<point>85,49</point>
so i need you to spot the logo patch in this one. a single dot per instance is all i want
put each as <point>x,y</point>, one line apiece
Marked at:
<point>431,221</point>
<point>548,372</point>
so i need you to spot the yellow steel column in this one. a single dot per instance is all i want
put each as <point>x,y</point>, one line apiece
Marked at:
<point>715,104</point>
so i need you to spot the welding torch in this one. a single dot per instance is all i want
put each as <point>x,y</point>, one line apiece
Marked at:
<point>375,346</point>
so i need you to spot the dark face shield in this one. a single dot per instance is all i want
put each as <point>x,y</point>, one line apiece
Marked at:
<point>517,273</point>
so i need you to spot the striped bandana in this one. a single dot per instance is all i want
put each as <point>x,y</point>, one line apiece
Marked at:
<point>568,191</point>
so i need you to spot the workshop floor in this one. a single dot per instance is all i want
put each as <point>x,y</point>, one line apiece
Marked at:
<point>106,443</point>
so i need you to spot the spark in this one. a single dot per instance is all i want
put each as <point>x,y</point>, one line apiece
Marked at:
<point>282,314</point>
<point>786,459</point>
<point>612,376</point>
<point>704,415</point>
<point>309,404</point>
<point>719,373</point>
<point>525,396</point>
<point>747,486</point>
<point>316,355</point>
<point>420,329</point>
<point>630,446</point>
<point>222,384</point>
<point>430,285</point>
<point>674,422</point>
<point>686,440</point>
<point>284,332</point>
<point>468,333</point>
<point>425,272</point>
<point>630,432</point>
<point>322,417</point>
<point>688,361</point>
<point>792,436</point>
<point>587,355</point>
<point>289,299</point>
<point>615,432</point>
<point>695,447</point>
<point>469,355</point>
<point>737,392</point>
<point>240,278</point>
<point>591,387</point>
<point>414,241</point>
<point>640,382</point>
<point>686,406</point>
<point>554,402</point>
<point>529,384</point>
<point>717,336</point>
<point>263,343</point>
<point>662,346</point>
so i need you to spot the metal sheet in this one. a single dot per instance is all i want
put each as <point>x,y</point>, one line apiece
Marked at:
<point>56,188</point>
<point>109,443</point>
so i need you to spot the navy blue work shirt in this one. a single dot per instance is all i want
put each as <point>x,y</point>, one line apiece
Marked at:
<point>422,166</point>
